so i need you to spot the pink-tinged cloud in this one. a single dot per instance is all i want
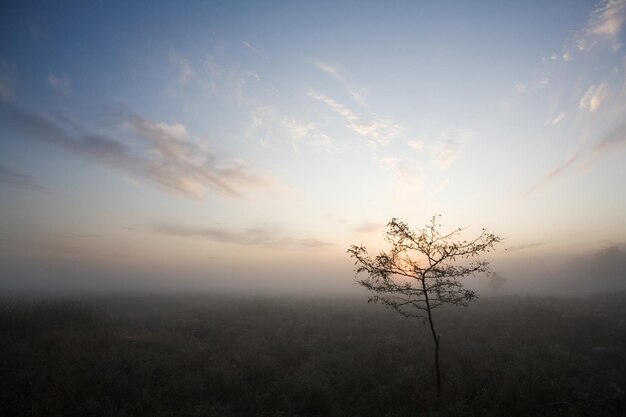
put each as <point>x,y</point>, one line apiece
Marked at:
<point>608,19</point>
<point>254,236</point>
<point>379,131</point>
<point>594,97</point>
<point>613,142</point>
<point>165,156</point>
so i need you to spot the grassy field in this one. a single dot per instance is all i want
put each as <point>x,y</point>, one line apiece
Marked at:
<point>210,356</point>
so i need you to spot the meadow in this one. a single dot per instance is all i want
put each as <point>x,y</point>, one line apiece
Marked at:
<point>203,355</point>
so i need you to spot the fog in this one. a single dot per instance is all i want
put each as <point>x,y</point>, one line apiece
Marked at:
<point>571,275</point>
<point>62,278</point>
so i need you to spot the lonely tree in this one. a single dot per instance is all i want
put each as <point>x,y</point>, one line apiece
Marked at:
<point>422,270</point>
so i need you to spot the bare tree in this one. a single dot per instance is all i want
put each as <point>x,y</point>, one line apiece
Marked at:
<point>421,271</point>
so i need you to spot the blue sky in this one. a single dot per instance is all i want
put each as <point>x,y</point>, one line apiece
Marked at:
<point>268,136</point>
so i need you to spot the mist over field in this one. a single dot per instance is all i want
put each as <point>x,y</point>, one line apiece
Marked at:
<point>585,274</point>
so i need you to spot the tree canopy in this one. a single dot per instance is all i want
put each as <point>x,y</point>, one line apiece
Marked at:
<point>422,262</point>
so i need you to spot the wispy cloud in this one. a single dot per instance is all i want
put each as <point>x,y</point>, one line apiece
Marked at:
<point>296,129</point>
<point>165,156</point>
<point>184,77</point>
<point>255,236</point>
<point>18,179</point>
<point>5,88</point>
<point>584,157</point>
<point>250,47</point>
<point>407,176</point>
<point>608,19</point>
<point>532,85</point>
<point>516,248</point>
<point>183,163</point>
<point>329,70</point>
<point>520,88</point>
<point>379,131</point>
<point>61,85</point>
<point>557,119</point>
<point>7,79</point>
<point>449,145</point>
<point>268,121</point>
<point>416,145</point>
<point>299,131</point>
<point>594,97</point>
<point>185,71</point>
<point>555,173</point>
<point>611,142</point>
<point>233,84</point>
<point>358,94</point>
<point>605,24</point>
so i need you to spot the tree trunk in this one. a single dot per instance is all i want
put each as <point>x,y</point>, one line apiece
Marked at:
<point>436,338</point>
<point>437,370</point>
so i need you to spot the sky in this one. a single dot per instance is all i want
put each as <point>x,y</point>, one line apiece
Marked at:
<point>246,145</point>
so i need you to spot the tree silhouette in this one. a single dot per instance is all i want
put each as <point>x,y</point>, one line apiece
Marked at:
<point>421,271</point>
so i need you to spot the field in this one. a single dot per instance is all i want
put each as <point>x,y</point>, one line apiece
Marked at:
<point>193,355</point>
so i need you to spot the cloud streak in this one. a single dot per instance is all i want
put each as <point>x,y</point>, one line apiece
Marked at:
<point>605,23</point>
<point>531,86</point>
<point>358,94</point>
<point>165,156</point>
<point>558,119</point>
<point>18,179</point>
<point>407,176</point>
<point>516,248</point>
<point>61,85</point>
<point>306,131</point>
<point>235,84</point>
<point>608,19</point>
<point>250,47</point>
<point>377,130</point>
<point>270,122</point>
<point>614,141</point>
<point>416,145</point>
<point>186,71</point>
<point>255,236</point>
<point>7,75</point>
<point>594,97</point>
